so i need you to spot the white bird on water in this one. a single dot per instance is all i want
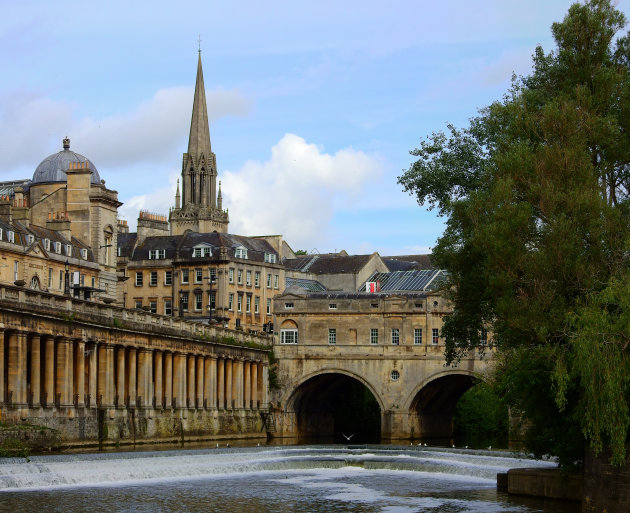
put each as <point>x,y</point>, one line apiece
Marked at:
<point>348,438</point>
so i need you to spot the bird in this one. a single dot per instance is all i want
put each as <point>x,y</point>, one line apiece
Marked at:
<point>489,447</point>
<point>466,447</point>
<point>257,445</point>
<point>348,437</point>
<point>453,445</point>
<point>411,444</point>
<point>217,446</point>
<point>425,444</point>
<point>227,445</point>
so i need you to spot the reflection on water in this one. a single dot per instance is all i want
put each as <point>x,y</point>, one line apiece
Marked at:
<point>382,479</point>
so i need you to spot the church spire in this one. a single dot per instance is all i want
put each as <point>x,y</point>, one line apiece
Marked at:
<point>199,140</point>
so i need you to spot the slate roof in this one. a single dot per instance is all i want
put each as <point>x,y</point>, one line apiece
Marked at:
<point>327,263</point>
<point>362,295</point>
<point>125,243</point>
<point>8,188</point>
<point>423,280</point>
<point>398,263</point>
<point>308,285</point>
<point>53,168</point>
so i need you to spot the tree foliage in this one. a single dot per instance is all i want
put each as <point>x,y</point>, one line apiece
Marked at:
<point>536,194</point>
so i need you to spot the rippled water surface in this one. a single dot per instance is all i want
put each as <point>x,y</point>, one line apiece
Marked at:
<point>314,479</point>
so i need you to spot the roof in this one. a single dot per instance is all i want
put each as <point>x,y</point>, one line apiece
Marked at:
<point>308,285</point>
<point>362,295</point>
<point>423,280</point>
<point>399,263</point>
<point>53,168</point>
<point>328,263</point>
<point>125,243</point>
<point>8,188</point>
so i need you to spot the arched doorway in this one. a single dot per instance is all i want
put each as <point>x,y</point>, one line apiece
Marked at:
<point>434,404</point>
<point>336,407</point>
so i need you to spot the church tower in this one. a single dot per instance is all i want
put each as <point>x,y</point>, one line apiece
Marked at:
<point>200,211</point>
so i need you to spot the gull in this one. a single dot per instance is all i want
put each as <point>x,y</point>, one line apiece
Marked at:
<point>453,445</point>
<point>348,437</point>
<point>489,447</point>
<point>217,446</point>
<point>227,445</point>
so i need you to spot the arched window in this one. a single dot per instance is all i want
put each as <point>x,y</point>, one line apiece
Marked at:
<point>35,283</point>
<point>289,332</point>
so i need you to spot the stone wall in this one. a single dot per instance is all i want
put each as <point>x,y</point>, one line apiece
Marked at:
<point>606,487</point>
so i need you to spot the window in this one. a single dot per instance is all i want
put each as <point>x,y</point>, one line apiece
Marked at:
<point>57,245</point>
<point>268,306</point>
<point>11,236</point>
<point>395,375</point>
<point>93,282</point>
<point>157,254</point>
<point>168,307</point>
<point>435,339</point>
<point>231,301</point>
<point>483,337</point>
<point>417,336</point>
<point>275,281</point>
<point>168,277</point>
<point>288,305</point>
<point>231,275</point>
<point>0,233</point>
<point>374,305</point>
<point>270,258</point>
<point>47,244</point>
<point>35,283</point>
<point>198,275</point>
<point>50,277</point>
<point>240,252</point>
<point>395,336</point>
<point>248,303</point>
<point>239,303</point>
<point>332,336</point>
<point>118,251</point>
<point>68,249</point>
<point>213,300</point>
<point>139,279</point>
<point>153,280</point>
<point>248,278</point>
<point>197,253</point>
<point>184,275</point>
<point>240,277</point>
<point>288,336</point>
<point>418,305</point>
<point>257,304</point>
<point>202,251</point>
<point>198,301</point>
<point>138,304</point>
<point>212,271</point>
<point>31,239</point>
<point>332,306</point>
<point>153,307</point>
<point>257,279</point>
<point>61,279</point>
<point>183,302</point>
<point>374,336</point>
<point>268,281</point>
<point>84,254</point>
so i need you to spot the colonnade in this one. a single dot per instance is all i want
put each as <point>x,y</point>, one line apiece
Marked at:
<point>51,371</point>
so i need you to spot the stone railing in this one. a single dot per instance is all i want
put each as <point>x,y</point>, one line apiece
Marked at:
<point>112,316</point>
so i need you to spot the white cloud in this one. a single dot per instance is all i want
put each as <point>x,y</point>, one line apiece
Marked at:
<point>295,192</point>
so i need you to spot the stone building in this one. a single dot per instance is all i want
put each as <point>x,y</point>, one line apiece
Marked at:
<point>63,215</point>
<point>199,206</point>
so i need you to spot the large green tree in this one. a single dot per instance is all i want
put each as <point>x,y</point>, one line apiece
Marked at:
<point>535,191</point>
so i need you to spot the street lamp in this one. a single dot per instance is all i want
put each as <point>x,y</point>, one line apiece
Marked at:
<point>66,287</point>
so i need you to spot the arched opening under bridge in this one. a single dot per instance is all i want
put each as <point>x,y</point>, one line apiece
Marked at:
<point>335,407</point>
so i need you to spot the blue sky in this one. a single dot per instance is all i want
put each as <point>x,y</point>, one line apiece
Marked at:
<point>313,106</point>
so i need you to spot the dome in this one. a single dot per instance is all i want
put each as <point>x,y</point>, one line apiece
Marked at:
<point>53,168</point>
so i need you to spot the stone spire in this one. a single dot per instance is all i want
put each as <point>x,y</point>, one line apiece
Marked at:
<point>199,140</point>
<point>177,196</point>
<point>219,198</point>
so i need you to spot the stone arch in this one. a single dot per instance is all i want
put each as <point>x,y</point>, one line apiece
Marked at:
<point>35,282</point>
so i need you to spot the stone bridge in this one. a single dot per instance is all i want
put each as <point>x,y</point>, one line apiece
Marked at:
<point>415,391</point>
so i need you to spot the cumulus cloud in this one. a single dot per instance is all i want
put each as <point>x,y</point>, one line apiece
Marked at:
<point>296,191</point>
<point>33,125</point>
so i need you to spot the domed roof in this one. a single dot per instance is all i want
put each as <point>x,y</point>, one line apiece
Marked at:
<point>53,168</point>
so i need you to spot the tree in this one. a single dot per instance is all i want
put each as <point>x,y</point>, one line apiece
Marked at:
<point>536,195</point>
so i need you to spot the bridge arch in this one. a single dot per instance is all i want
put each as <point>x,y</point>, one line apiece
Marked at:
<point>315,398</point>
<point>431,404</point>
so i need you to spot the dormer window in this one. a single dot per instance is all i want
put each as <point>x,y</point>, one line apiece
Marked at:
<point>47,244</point>
<point>68,249</point>
<point>270,258</point>
<point>240,252</point>
<point>58,248</point>
<point>0,233</point>
<point>202,251</point>
<point>31,239</point>
<point>84,254</point>
<point>157,254</point>
<point>11,236</point>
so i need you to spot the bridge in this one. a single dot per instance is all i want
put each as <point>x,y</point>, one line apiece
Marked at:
<point>388,343</point>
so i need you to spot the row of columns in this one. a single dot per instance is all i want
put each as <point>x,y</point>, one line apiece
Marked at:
<point>45,371</point>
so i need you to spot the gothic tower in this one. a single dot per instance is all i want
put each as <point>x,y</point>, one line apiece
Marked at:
<point>199,211</point>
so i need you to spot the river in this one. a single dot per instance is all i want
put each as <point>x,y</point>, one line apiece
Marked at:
<point>308,479</point>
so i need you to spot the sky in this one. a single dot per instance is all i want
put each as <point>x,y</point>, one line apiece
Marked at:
<point>313,106</point>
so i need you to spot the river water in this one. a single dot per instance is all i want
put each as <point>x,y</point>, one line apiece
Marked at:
<point>308,479</point>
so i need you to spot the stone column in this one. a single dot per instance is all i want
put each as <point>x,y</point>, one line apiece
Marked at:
<point>2,388</point>
<point>143,378</point>
<point>132,377</point>
<point>93,372</point>
<point>17,367</point>
<point>121,356</point>
<point>200,388</point>
<point>263,382</point>
<point>179,380</point>
<point>190,376</point>
<point>255,399</point>
<point>159,394</point>
<point>228,383</point>
<point>109,374</point>
<point>149,383</point>
<point>36,370</point>
<point>247,371</point>
<point>64,385</point>
<point>237,373</point>
<point>79,378</point>
<point>168,379</point>
<point>49,371</point>
<point>209,393</point>
<point>221,383</point>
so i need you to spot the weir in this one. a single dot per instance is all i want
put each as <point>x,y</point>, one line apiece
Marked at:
<point>101,373</point>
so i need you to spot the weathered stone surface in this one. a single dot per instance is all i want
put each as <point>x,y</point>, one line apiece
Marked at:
<point>548,483</point>
<point>606,487</point>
